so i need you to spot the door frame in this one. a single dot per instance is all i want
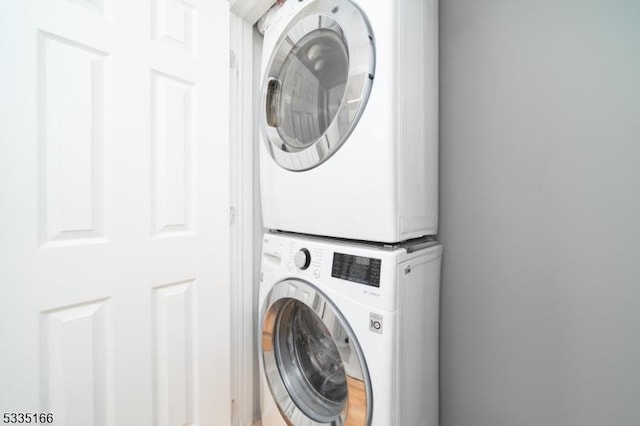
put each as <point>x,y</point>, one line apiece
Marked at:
<point>245,213</point>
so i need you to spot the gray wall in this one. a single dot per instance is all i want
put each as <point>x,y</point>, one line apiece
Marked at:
<point>540,212</point>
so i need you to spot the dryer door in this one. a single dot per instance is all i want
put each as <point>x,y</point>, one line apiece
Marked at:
<point>317,83</point>
<point>312,360</point>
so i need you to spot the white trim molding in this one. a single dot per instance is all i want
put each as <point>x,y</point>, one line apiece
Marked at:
<point>246,221</point>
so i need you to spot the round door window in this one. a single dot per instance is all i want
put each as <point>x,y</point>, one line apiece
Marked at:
<point>313,80</point>
<point>309,362</point>
<point>314,366</point>
<point>317,83</point>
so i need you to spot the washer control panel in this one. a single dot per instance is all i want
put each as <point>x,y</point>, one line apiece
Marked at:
<point>359,269</point>
<point>302,259</point>
<point>319,260</point>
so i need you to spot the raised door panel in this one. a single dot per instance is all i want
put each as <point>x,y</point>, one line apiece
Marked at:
<point>75,105</point>
<point>172,123</point>
<point>76,363</point>
<point>175,358</point>
<point>174,23</point>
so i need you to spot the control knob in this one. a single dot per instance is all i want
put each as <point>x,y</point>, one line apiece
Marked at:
<point>302,259</point>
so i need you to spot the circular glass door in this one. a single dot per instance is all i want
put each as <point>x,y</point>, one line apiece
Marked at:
<point>310,363</point>
<point>312,360</point>
<point>317,83</point>
<point>312,80</point>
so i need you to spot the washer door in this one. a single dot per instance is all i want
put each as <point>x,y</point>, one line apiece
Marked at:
<point>317,83</point>
<point>312,360</point>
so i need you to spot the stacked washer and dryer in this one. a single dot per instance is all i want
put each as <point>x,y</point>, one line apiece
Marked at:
<point>350,275</point>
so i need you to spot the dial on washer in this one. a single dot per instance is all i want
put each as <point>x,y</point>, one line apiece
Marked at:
<point>302,259</point>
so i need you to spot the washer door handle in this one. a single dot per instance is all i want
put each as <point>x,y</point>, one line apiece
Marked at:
<point>271,102</point>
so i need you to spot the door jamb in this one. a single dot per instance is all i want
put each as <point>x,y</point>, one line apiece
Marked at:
<point>246,223</point>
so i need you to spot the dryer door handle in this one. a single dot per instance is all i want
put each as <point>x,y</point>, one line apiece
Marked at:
<point>272,100</point>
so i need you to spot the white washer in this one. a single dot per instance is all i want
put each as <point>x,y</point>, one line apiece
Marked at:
<point>348,333</point>
<point>348,119</point>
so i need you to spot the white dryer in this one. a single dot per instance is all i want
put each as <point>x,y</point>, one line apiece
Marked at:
<point>348,119</point>
<point>348,333</point>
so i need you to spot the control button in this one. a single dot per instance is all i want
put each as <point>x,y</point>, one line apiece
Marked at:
<point>302,259</point>
<point>316,273</point>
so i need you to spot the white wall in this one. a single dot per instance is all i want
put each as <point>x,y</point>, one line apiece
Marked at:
<point>540,212</point>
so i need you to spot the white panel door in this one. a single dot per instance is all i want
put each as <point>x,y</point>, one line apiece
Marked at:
<point>114,229</point>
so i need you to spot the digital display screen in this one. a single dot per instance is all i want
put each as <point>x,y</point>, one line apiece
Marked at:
<point>361,270</point>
